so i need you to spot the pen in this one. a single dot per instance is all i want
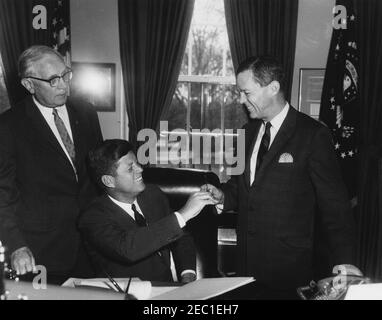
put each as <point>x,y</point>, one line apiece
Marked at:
<point>129,296</point>
<point>116,285</point>
<point>128,286</point>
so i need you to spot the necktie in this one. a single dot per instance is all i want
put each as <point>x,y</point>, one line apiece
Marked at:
<point>65,137</point>
<point>264,145</point>
<point>139,219</point>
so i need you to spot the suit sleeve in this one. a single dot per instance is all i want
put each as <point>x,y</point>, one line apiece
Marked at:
<point>127,244</point>
<point>10,233</point>
<point>230,190</point>
<point>183,249</point>
<point>184,252</point>
<point>332,198</point>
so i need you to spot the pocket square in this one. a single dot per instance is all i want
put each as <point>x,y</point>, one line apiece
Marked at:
<point>286,158</point>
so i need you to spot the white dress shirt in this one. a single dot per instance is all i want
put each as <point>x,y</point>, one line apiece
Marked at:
<point>276,123</point>
<point>47,113</point>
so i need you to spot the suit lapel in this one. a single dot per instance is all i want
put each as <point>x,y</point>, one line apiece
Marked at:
<point>144,208</point>
<point>43,130</point>
<point>285,132</point>
<point>147,211</point>
<point>117,210</point>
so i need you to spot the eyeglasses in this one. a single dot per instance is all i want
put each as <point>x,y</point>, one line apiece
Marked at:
<point>54,81</point>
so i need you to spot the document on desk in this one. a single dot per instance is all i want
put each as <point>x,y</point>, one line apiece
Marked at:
<point>371,291</point>
<point>140,289</point>
<point>204,288</point>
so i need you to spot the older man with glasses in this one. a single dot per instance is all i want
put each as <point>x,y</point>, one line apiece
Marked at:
<point>44,182</point>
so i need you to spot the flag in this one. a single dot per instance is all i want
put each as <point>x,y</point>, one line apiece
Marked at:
<point>60,27</point>
<point>340,95</point>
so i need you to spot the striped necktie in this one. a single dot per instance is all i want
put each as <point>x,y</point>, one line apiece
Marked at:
<point>65,137</point>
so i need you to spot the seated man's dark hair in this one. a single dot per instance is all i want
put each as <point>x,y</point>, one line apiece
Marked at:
<point>265,69</point>
<point>103,159</point>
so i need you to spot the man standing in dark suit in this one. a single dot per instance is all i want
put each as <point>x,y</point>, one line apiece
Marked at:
<point>131,229</point>
<point>44,182</point>
<point>291,180</point>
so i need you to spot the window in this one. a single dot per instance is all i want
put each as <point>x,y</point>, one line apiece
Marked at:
<point>4,101</point>
<point>205,96</point>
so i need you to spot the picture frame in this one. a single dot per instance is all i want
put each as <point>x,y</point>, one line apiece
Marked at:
<point>310,87</point>
<point>95,83</point>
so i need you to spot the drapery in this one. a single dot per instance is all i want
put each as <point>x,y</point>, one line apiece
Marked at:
<point>153,37</point>
<point>17,33</point>
<point>258,27</point>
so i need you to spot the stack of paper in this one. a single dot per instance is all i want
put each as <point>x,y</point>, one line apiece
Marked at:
<point>139,289</point>
<point>143,290</point>
<point>204,288</point>
<point>372,291</point>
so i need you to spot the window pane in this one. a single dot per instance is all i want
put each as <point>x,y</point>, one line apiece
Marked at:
<point>235,115</point>
<point>207,52</point>
<point>230,70</point>
<point>177,113</point>
<point>184,67</point>
<point>213,106</point>
<point>195,112</point>
<point>209,38</point>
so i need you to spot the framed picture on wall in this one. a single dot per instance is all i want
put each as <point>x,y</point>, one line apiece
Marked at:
<point>310,89</point>
<point>94,83</point>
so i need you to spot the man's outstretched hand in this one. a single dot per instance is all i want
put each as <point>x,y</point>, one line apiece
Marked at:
<point>216,193</point>
<point>195,203</point>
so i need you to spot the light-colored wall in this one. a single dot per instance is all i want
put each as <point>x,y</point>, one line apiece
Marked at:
<point>314,31</point>
<point>95,38</point>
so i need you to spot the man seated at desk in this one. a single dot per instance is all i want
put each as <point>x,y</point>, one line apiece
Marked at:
<point>131,229</point>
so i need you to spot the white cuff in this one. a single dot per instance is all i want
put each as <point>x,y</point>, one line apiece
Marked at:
<point>219,208</point>
<point>187,271</point>
<point>181,221</point>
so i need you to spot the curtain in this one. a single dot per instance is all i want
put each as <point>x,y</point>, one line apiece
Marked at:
<point>258,27</point>
<point>17,34</point>
<point>369,215</point>
<point>153,37</point>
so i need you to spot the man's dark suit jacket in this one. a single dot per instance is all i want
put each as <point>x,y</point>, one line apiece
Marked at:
<point>277,213</point>
<point>118,246</point>
<point>40,198</point>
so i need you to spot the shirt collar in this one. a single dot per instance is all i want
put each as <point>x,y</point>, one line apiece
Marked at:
<point>125,206</point>
<point>278,120</point>
<point>47,110</point>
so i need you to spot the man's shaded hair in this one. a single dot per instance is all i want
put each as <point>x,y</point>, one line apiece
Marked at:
<point>265,69</point>
<point>103,159</point>
<point>33,54</point>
